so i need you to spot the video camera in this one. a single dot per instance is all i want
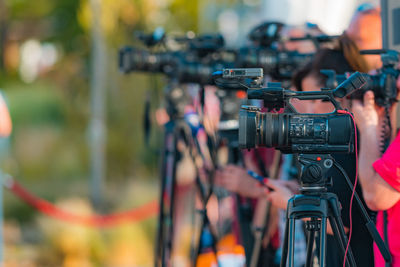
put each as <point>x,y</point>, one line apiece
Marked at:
<point>187,67</point>
<point>290,131</point>
<point>382,84</point>
<point>195,63</point>
<point>184,67</point>
<point>280,65</point>
<point>200,56</point>
<point>269,51</point>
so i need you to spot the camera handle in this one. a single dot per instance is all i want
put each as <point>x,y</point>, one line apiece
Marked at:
<point>390,58</point>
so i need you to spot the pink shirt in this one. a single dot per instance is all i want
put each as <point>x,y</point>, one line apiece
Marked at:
<point>388,167</point>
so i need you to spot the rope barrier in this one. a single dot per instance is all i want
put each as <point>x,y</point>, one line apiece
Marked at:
<point>137,214</point>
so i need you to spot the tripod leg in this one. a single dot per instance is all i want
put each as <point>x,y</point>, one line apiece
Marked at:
<point>292,229</point>
<point>206,229</point>
<point>341,242</point>
<point>160,226</point>
<point>170,231</point>
<point>337,237</point>
<point>338,230</point>
<point>310,244</point>
<point>343,236</point>
<point>205,226</point>
<point>322,251</point>
<point>166,153</point>
<point>285,244</point>
<point>169,194</point>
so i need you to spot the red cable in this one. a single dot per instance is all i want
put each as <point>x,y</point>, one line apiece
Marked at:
<point>354,187</point>
<point>135,215</point>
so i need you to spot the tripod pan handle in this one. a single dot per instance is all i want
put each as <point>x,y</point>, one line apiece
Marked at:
<point>383,248</point>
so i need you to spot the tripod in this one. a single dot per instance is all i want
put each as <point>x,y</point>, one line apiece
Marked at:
<point>244,210</point>
<point>319,205</point>
<point>177,129</point>
<point>174,130</point>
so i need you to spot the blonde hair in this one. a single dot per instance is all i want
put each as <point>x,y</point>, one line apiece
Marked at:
<point>351,52</point>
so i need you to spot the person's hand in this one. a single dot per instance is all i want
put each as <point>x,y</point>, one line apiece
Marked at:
<point>292,185</point>
<point>161,116</point>
<point>279,194</point>
<point>236,179</point>
<point>366,114</point>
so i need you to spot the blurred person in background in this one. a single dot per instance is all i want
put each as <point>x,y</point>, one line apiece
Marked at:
<point>363,33</point>
<point>190,167</point>
<point>5,119</point>
<point>5,127</point>
<point>303,46</point>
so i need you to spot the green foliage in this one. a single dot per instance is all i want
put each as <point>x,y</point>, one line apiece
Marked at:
<point>34,106</point>
<point>26,10</point>
<point>54,21</point>
<point>185,14</point>
<point>51,116</point>
<point>65,27</point>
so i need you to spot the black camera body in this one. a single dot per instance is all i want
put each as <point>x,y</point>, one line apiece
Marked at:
<point>200,56</point>
<point>292,132</point>
<point>280,65</point>
<point>195,62</point>
<point>382,84</point>
<point>182,66</point>
<point>187,66</point>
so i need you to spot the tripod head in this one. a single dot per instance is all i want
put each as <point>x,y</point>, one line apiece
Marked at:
<point>313,171</point>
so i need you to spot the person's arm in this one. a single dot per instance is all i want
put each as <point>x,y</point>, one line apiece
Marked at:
<point>236,179</point>
<point>282,191</point>
<point>377,192</point>
<point>5,119</point>
<point>279,193</point>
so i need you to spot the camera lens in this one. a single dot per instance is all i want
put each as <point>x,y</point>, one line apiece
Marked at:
<point>295,133</point>
<point>248,126</point>
<point>273,130</point>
